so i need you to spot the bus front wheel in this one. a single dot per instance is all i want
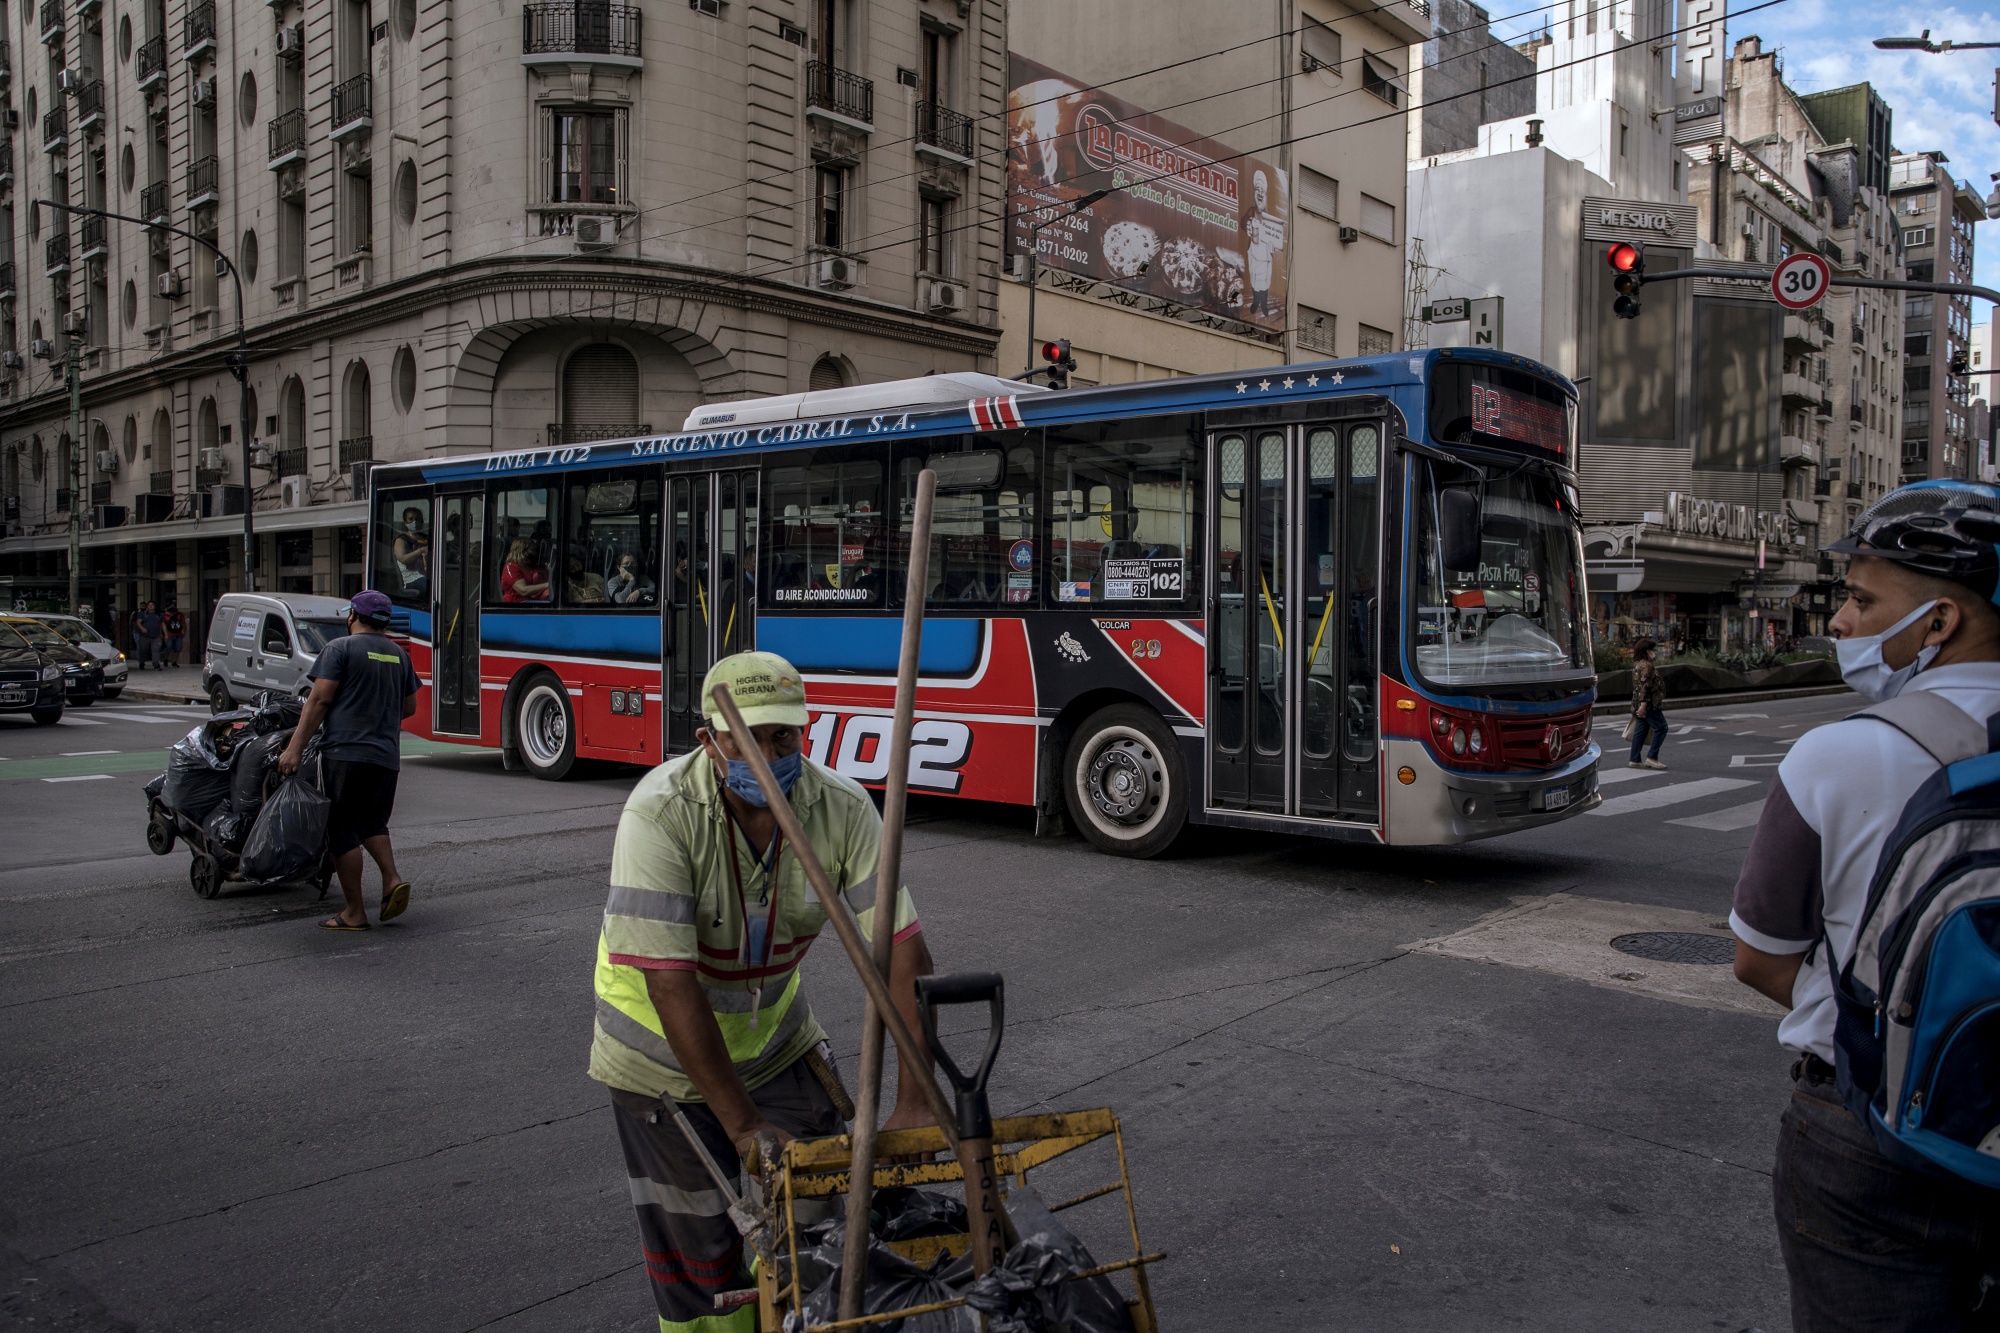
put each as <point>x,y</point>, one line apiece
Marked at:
<point>545,727</point>
<point>1127,784</point>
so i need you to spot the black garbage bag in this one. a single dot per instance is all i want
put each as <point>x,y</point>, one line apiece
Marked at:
<point>894,1283</point>
<point>224,829</point>
<point>156,786</point>
<point>901,1212</point>
<point>198,767</point>
<point>255,760</point>
<point>1032,1289</point>
<point>276,712</point>
<point>289,837</point>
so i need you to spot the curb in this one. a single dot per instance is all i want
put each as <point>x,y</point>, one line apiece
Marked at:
<point>161,696</point>
<point>1622,707</point>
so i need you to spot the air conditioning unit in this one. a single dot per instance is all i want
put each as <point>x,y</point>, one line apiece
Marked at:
<point>213,460</point>
<point>68,81</point>
<point>42,349</point>
<point>291,43</point>
<point>292,493</point>
<point>76,322</point>
<point>204,92</point>
<point>594,232</point>
<point>169,285</point>
<point>11,360</point>
<point>11,118</point>
<point>834,273</point>
<point>107,460</point>
<point>712,8</point>
<point>1349,235</point>
<point>1017,266</point>
<point>948,296</point>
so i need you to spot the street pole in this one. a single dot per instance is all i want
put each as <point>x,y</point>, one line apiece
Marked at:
<point>1034,262</point>
<point>237,363</point>
<point>72,368</point>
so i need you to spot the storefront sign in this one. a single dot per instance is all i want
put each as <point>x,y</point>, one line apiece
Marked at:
<point>1695,516</point>
<point>1631,220</point>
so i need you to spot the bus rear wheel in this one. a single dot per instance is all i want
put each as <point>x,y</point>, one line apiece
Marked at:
<point>545,729</point>
<point>1127,784</point>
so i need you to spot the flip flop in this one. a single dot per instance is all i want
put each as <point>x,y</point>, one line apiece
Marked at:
<point>396,901</point>
<point>335,923</point>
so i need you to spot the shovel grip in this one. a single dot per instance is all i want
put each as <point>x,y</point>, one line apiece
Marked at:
<point>974,1119</point>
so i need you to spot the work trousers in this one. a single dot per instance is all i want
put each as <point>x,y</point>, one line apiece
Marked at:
<point>1871,1246</point>
<point>692,1249</point>
<point>1654,723</point>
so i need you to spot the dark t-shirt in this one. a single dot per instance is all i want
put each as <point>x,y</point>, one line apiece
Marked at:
<point>147,625</point>
<point>366,720</point>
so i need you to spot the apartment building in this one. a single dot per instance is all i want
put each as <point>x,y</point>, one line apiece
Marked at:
<point>527,224</point>
<point>1936,215</point>
<point>1282,127</point>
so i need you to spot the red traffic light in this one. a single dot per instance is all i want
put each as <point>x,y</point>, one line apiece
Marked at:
<point>1624,257</point>
<point>1055,353</point>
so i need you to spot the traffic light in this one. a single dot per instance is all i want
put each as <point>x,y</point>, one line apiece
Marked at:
<point>1060,362</point>
<point>1630,267</point>
<point>1959,365</point>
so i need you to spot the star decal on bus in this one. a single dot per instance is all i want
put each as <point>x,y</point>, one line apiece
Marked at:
<point>1241,387</point>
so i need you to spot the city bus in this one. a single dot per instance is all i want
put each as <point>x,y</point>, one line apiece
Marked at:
<point>1342,599</point>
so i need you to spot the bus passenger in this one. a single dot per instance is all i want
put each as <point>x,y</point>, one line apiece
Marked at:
<point>582,586</point>
<point>628,587</point>
<point>412,552</point>
<point>523,579</point>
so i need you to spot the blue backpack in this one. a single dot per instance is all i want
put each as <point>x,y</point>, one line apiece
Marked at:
<point>1917,1040</point>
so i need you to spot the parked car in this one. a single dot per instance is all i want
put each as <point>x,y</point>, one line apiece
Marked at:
<point>266,641</point>
<point>31,681</point>
<point>84,635</point>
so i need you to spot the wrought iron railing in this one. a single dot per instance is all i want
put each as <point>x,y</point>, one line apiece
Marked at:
<point>152,59</point>
<point>836,90</point>
<point>204,176</point>
<point>6,279</point>
<point>153,201</point>
<point>52,19</point>
<point>199,26</point>
<point>584,27</point>
<point>100,492</point>
<point>351,101</point>
<point>6,159</point>
<point>359,449</point>
<point>160,483</point>
<point>575,434</point>
<point>1854,412</point>
<point>62,499</point>
<point>55,126</point>
<point>95,236</point>
<point>941,127</point>
<point>56,251</point>
<point>90,102</point>
<point>289,462</point>
<point>288,133</point>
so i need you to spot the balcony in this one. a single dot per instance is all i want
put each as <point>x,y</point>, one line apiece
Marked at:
<point>1808,332</point>
<point>55,251</point>
<point>6,161</point>
<point>152,63</point>
<point>198,31</point>
<point>1855,412</point>
<point>153,202</point>
<point>204,182</point>
<point>1824,486</point>
<point>160,483</point>
<point>100,492</point>
<point>580,32</point>
<point>289,462</point>
<point>944,134</point>
<point>1854,492</point>
<point>55,129</point>
<point>558,436</point>
<point>6,62</point>
<point>1795,451</point>
<point>352,107</point>
<point>840,98</point>
<point>1860,336</point>
<point>62,499</point>
<point>7,281</point>
<point>90,106</point>
<point>1800,388</point>
<point>360,449</point>
<point>95,238</point>
<point>52,21</point>
<point>288,138</point>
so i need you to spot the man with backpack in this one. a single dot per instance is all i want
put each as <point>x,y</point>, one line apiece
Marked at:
<point>1867,907</point>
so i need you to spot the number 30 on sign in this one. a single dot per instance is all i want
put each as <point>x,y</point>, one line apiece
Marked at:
<point>1801,281</point>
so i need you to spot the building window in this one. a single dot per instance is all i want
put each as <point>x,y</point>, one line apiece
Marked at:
<point>824,536</point>
<point>358,213</point>
<point>1319,47</point>
<point>1378,219</point>
<point>585,154</point>
<point>1380,77</point>
<point>829,205</point>
<point>1319,193</point>
<point>600,395</point>
<point>1371,341</point>
<point>933,229</point>
<point>826,373</point>
<point>1315,332</point>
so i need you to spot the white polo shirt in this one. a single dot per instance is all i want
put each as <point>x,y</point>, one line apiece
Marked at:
<point>1839,795</point>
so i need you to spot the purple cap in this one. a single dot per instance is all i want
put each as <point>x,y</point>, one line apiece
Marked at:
<point>371,606</point>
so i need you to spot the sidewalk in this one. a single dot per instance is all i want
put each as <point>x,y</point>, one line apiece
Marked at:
<point>177,684</point>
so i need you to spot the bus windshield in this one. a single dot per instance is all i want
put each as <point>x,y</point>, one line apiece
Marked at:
<point>1516,614</point>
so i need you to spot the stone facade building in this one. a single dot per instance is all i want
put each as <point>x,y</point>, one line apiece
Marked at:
<point>456,229</point>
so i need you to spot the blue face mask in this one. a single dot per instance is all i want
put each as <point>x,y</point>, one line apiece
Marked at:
<point>786,770</point>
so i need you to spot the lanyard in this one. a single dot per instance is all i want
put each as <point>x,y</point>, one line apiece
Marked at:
<point>758,932</point>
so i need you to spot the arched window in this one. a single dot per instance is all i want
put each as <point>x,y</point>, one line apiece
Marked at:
<point>207,434</point>
<point>600,395</point>
<point>100,453</point>
<point>357,436</point>
<point>163,445</point>
<point>827,373</point>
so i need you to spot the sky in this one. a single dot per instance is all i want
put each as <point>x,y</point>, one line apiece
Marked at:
<point>1937,101</point>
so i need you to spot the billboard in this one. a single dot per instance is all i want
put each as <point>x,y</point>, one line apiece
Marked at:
<point>1188,220</point>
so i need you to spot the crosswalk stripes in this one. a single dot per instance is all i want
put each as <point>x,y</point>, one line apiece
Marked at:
<point>1654,798</point>
<point>1726,820</point>
<point>1610,776</point>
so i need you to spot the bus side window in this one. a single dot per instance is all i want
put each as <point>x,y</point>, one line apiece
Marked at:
<point>825,537</point>
<point>612,541</point>
<point>1123,505</point>
<point>982,524</point>
<point>403,547</point>
<point>523,543</point>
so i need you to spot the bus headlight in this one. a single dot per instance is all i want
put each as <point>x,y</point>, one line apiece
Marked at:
<point>1458,740</point>
<point>1478,741</point>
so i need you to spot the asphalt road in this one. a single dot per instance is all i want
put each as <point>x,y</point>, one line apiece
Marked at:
<point>1362,1088</point>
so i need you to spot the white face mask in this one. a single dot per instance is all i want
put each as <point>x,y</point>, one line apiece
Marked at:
<point>1862,667</point>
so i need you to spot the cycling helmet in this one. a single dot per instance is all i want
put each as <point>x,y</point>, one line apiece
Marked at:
<point>1946,528</point>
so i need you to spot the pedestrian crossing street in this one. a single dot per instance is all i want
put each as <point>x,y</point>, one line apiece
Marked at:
<point>1685,796</point>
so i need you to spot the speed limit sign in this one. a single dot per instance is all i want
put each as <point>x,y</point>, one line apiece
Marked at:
<point>1801,281</point>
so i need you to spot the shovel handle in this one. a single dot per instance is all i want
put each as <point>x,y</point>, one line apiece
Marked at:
<point>965,988</point>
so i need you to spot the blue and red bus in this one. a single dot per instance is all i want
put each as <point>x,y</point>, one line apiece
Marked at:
<point>1342,599</point>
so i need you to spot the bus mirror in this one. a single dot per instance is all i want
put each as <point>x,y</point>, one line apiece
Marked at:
<point>1458,528</point>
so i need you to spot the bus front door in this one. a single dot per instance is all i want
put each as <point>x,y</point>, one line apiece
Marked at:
<point>710,607</point>
<point>1295,555</point>
<point>455,619</point>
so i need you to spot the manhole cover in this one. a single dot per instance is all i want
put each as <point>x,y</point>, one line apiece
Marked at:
<point>1678,946</point>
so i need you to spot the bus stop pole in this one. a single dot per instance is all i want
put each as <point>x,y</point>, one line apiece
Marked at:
<point>888,882</point>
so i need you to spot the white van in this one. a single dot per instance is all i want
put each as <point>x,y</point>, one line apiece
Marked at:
<point>266,641</point>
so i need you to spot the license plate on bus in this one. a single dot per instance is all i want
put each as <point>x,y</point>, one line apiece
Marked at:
<point>12,697</point>
<point>1555,798</point>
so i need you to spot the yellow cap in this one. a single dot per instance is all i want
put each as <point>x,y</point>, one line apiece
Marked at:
<point>765,687</point>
